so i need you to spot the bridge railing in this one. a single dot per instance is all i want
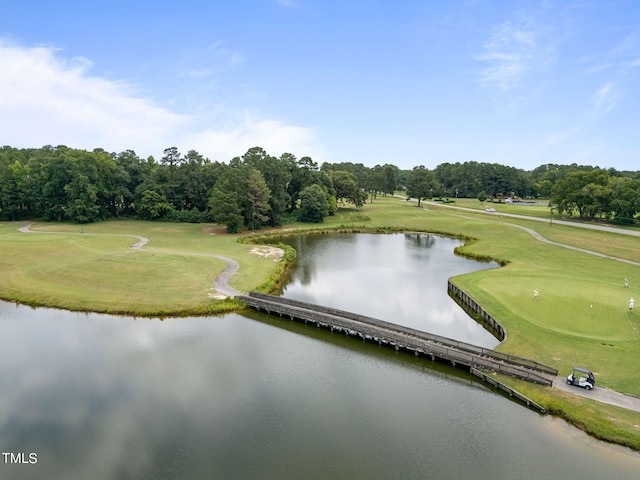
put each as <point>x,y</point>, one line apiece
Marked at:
<point>343,319</point>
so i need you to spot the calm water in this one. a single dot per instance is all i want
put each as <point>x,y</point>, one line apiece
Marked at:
<point>400,278</point>
<point>260,397</point>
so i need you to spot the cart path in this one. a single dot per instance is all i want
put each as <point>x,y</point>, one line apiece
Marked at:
<point>600,394</point>
<point>603,228</point>
<point>539,237</point>
<point>221,283</point>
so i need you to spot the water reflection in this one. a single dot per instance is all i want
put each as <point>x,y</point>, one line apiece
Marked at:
<point>230,397</point>
<point>400,278</point>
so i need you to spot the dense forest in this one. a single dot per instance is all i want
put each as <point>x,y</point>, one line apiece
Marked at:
<point>257,189</point>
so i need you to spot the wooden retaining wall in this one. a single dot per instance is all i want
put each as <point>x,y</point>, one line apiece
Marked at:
<point>510,391</point>
<point>476,311</point>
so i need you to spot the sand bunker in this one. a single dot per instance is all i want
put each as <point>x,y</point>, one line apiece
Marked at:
<point>266,251</point>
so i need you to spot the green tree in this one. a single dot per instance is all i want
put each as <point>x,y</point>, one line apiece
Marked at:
<point>245,186</point>
<point>258,199</point>
<point>346,188</point>
<point>137,172</point>
<point>14,194</point>
<point>314,205</point>
<point>192,183</point>
<point>304,172</point>
<point>391,173</point>
<point>421,184</point>
<point>625,201</point>
<point>225,207</point>
<point>82,206</point>
<point>276,173</point>
<point>375,181</point>
<point>579,190</point>
<point>154,205</point>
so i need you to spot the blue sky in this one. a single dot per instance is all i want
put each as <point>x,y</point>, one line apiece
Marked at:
<point>521,83</point>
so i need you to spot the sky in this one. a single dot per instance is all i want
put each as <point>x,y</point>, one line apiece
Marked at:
<point>407,82</point>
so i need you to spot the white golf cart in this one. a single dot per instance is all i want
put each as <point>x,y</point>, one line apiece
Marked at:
<point>581,377</point>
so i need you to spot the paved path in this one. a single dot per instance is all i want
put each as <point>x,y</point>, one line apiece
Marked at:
<point>600,394</point>
<point>539,237</point>
<point>220,283</point>
<point>603,228</point>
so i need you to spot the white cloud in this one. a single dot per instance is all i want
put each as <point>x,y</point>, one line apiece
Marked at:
<point>49,100</point>
<point>604,100</point>
<point>246,132</point>
<point>512,52</point>
<point>46,99</point>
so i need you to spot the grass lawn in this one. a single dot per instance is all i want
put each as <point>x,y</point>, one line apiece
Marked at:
<point>580,318</point>
<point>81,271</point>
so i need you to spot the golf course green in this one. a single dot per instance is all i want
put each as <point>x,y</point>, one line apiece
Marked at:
<point>580,317</point>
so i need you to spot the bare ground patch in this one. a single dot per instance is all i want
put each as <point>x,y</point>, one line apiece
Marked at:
<point>269,252</point>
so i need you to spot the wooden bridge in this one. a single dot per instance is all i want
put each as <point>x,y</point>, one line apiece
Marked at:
<point>476,358</point>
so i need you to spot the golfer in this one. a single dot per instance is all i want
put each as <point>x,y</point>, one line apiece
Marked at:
<point>626,283</point>
<point>631,302</point>
<point>535,294</point>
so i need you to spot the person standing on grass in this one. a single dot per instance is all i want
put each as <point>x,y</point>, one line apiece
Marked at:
<point>626,283</point>
<point>631,302</point>
<point>535,294</point>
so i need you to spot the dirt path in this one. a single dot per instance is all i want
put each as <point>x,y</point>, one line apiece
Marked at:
<point>221,283</point>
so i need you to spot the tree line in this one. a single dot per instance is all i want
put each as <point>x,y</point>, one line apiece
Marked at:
<point>254,190</point>
<point>258,189</point>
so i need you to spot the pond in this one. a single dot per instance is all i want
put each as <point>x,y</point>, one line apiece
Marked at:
<point>399,278</point>
<point>258,396</point>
